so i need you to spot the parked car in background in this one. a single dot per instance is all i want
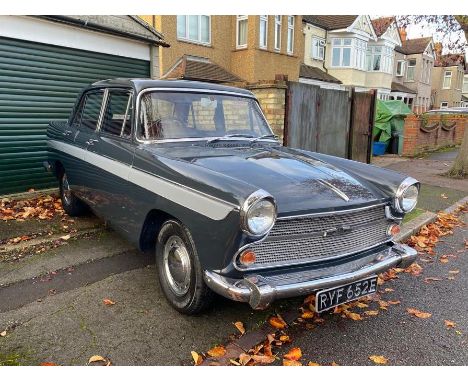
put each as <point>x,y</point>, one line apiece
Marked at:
<point>193,172</point>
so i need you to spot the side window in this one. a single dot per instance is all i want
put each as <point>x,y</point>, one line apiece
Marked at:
<point>91,110</point>
<point>118,114</point>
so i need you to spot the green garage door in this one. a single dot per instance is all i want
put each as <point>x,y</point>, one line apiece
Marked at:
<point>39,83</point>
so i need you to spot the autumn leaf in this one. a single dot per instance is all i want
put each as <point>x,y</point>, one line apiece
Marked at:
<point>444,259</point>
<point>353,316</point>
<point>217,351</point>
<point>244,358</point>
<point>66,237</point>
<point>334,364</point>
<point>3,334</point>
<point>106,301</point>
<point>371,312</point>
<point>294,354</point>
<point>378,359</point>
<point>313,364</point>
<point>284,338</point>
<point>383,304</point>
<point>427,280</point>
<point>361,305</point>
<point>263,358</point>
<point>418,313</point>
<point>240,327</point>
<point>415,269</point>
<point>449,324</point>
<point>307,314</point>
<point>289,362</point>
<point>48,364</point>
<point>197,358</point>
<point>96,358</point>
<point>277,322</point>
<point>394,302</point>
<point>455,272</point>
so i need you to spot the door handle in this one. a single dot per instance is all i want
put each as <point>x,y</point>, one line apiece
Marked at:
<point>91,141</point>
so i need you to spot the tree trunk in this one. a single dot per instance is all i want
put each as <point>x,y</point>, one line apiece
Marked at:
<point>460,166</point>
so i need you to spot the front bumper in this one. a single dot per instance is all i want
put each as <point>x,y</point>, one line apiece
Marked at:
<point>260,290</point>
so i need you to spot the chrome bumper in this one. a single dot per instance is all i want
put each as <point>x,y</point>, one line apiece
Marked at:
<point>259,291</point>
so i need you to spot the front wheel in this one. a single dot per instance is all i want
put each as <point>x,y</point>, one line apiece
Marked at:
<point>179,269</point>
<point>70,203</point>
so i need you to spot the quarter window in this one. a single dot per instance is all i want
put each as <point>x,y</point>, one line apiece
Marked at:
<point>318,48</point>
<point>241,38</point>
<point>263,31</point>
<point>290,44</point>
<point>92,110</point>
<point>118,114</point>
<point>278,32</point>
<point>410,71</point>
<point>447,80</point>
<point>195,28</point>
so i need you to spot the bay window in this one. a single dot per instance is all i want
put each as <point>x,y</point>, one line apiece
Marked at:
<point>380,59</point>
<point>341,52</point>
<point>318,48</point>
<point>194,28</point>
<point>465,85</point>
<point>290,41</point>
<point>263,31</point>
<point>241,31</point>
<point>278,32</point>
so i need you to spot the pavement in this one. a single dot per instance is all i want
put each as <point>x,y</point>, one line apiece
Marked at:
<point>52,309</point>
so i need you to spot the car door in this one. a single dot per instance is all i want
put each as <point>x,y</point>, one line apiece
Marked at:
<point>85,136</point>
<point>111,151</point>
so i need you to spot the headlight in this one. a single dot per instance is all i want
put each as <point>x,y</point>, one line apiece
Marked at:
<point>406,196</point>
<point>258,213</point>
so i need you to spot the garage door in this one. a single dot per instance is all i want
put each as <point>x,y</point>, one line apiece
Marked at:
<point>39,83</point>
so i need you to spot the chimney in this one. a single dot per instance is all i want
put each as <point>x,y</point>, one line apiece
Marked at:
<point>403,33</point>
<point>438,50</point>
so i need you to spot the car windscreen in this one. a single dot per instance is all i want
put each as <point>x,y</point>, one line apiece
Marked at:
<point>172,115</point>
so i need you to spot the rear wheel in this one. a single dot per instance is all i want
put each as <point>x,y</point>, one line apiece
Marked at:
<point>70,203</point>
<point>179,269</point>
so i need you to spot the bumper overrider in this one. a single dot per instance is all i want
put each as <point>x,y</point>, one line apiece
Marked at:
<point>260,290</point>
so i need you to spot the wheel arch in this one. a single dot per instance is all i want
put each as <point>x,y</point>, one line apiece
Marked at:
<point>152,224</point>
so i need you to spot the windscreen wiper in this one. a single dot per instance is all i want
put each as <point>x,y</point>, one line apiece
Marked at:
<point>216,139</point>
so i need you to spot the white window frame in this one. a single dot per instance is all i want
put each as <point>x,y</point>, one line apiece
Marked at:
<point>239,19</point>
<point>408,67</point>
<point>290,35</point>
<point>341,48</point>
<point>465,85</point>
<point>319,44</point>
<point>400,73</point>
<point>449,77</point>
<point>187,38</point>
<point>442,106</point>
<point>278,19</point>
<point>263,19</point>
<point>386,58</point>
<point>358,52</point>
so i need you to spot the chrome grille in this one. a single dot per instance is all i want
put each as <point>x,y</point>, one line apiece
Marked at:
<point>303,239</point>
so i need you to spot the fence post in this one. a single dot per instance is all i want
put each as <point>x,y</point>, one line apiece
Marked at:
<point>371,124</point>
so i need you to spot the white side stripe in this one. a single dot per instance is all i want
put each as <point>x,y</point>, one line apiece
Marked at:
<point>211,207</point>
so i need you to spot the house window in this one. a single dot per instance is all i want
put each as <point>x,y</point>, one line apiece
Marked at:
<point>290,42</point>
<point>318,48</point>
<point>379,59</point>
<point>447,80</point>
<point>400,68</point>
<point>263,31</point>
<point>278,32</point>
<point>465,85</point>
<point>410,70</point>
<point>360,54</point>
<point>341,52</point>
<point>444,105</point>
<point>194,28</point>
<point>241,31</point>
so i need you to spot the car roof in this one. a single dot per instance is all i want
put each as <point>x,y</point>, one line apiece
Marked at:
<point>140,84</point>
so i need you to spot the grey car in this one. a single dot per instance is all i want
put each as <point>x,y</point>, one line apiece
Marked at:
<point>193,172</point>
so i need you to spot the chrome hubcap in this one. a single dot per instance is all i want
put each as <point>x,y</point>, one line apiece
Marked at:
<point>177,265</point>
<point>66,190</point>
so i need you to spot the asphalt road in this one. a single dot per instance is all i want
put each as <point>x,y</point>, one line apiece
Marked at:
<point>68,322</point>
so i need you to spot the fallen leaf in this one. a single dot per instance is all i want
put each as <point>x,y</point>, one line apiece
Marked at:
<point>197,358</point>
<point>334,364</point>
<point>3,334</point>
<point>96,358</point>
<point>378,359</point>
<point>418,313</point>
<point>106,301</point>
<point>234,362</point>
<point>263,358</point>
<point>427,280</point>
<point>289,362</point>
<point>277,322</point>
<point>240,327</point>
<point>66,237</point>
<point>415,269</point>
<point>307,314</point>
<point>450,324</point>
<point>458,332</point>
<point>444,259</point>
<point>244,358</point>
<point>313,364</point>
<point>387,290</point>
<point>294,354</point>
<point>455,272</point>
<point>361,305</point>
<point>217,351</point>
<point>48,364</point>
<point>371,312</point>
<point>383,304</point>
<point>394,302</point>
<point>284,338</point>
<point>353,316</point>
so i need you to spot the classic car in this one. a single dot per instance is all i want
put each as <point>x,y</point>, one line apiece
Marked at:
<point>193,172</point>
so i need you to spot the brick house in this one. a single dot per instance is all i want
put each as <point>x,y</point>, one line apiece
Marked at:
<point>249,48</point>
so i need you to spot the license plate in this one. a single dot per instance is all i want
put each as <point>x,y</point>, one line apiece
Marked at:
<point>329,298</point>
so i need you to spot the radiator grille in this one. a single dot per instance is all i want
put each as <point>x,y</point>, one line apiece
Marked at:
<point>302,240</point>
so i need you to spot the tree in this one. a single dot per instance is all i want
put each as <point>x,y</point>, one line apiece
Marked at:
<point>447,25</point>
